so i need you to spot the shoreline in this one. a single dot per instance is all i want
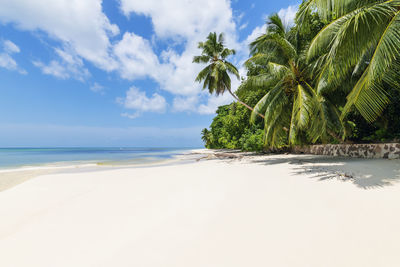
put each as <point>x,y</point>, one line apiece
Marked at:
<point>10,177</point>
<point>13,176</point>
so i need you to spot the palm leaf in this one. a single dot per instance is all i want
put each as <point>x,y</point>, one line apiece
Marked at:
<point>369,100</point>
<point>264,102</point>
<point>201,59</point>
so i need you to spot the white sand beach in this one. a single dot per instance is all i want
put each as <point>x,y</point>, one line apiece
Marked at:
<point>277,210</point>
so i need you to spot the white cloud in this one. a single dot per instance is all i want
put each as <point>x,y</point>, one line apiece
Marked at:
<point>185,103</point>
<point>6,60</point>
<point>187,23</point>
<point>288,15</point>
<point>86,34</point>
<point>97,88</point>
<point>257,32</point>
<point>79,24</point>
<point>136,57</point>
<point>213,103</point>
<point>178,72</point>
<point>52,68</point>
<point>172,18</point>
<point>69,65</point>
<point>130,116</point>
<point>10,47</point>
<point>243,26</point>
<point>138,101</point>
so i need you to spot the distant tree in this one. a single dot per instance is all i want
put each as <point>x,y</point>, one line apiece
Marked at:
<point>231,129</point>
<point>215,76</point>
<point>205,136</point>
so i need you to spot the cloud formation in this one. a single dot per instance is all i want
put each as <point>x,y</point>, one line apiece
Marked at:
<point>182,18</point>
<point>68,65</point>
<point>85,34</point>
<point>6,59</point>
<point>139,102</point>
<point>10,47</point>
<point>97,88</point>
<point>187,23</point>
<point>80,24</point>
<point>136,58</point>
<point>288,15</point>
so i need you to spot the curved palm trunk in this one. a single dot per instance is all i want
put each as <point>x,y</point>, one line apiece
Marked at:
<point>244,104</point>
<point>335,136</point>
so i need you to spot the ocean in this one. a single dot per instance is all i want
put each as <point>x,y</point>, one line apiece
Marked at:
<point>22,157</point>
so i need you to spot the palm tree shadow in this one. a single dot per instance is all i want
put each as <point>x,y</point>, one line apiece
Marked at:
<point>363,173</point>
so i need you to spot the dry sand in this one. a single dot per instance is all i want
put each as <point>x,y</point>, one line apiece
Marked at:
<point>281,210</point>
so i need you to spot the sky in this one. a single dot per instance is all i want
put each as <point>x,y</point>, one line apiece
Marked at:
<point>116,72</point>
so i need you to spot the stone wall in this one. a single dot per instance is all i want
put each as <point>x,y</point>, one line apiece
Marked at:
<point>387,151</point>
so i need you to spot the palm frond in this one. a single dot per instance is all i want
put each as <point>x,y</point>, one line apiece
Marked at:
<point>227,52</point>
<point>302,111</point>
<point>273,44</point>
<point>330,9</point>
<point>259,59</point>
<point>215,76</point>
<point>275,72</point>
<point>232,69</point>
<point>350,35</point>
<point>368,95</point>
<point>275,25</point>
<point>386,52</point>
<point>203,74</point>
<point>201,59</point>
<point>264,102</point>
<point>369,99</point>
<point>276,117</point>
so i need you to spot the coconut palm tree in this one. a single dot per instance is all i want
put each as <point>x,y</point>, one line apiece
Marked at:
<point>206,136</point>
<point>294,112</point>
<point>362,42</point>
<point>215,76</point>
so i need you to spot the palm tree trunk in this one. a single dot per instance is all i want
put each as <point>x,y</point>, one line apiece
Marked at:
<point>335,136</point>
<point>244,104</point>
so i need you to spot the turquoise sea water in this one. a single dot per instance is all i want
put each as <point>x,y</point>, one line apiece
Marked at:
<point>19,157</point>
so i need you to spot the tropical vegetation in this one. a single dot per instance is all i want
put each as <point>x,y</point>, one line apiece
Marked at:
<point>331,77</point>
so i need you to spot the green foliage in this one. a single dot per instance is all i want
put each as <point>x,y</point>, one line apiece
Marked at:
<point>231,129</point>
<point>295,112</point>
<point>252,140</point>
<point>206,136</point>
<point>333,75</point>
<point>385,129</point>
<point>364,39</point>
<point>215,76</point>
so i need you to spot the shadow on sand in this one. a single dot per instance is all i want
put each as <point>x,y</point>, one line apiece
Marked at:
<point>363,173</point>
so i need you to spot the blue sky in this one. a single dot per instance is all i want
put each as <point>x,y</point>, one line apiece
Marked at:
<point>115,72</point>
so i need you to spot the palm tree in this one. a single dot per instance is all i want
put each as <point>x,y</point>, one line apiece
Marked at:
<point>294,112</point>
<point>362,42</point>
<point>215,76</point>
<point>205,136</point>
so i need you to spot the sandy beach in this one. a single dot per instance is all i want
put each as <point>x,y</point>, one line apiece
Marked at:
<point>276,210</point>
